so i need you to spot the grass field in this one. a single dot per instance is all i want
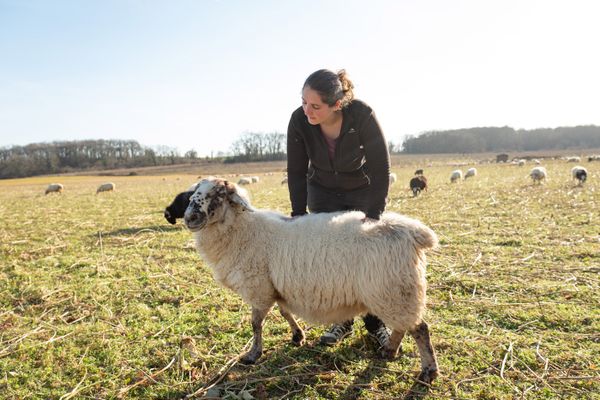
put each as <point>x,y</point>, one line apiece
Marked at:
<point>101,298</point>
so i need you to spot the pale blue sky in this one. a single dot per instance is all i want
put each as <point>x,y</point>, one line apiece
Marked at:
<point>197,74</point>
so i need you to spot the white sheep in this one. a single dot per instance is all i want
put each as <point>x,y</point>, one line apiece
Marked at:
<point>284,180</point>
<point>580,173</point>
<point>471,172</point>
<point>54,188</point>
<point>456,176</point>
<point>106,187</point>
<point>538,174</point>
<point>325,267</point>
<point>574,159</point>
<point>245,181</point>
<point>393,178</point>
<point>255,179</point>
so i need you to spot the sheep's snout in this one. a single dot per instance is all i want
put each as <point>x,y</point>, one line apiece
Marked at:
<point>194,219</point>
<point>170,218</point>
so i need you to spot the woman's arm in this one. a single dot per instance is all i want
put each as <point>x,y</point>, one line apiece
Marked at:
<point>377,159</point>
<point>297,166</point>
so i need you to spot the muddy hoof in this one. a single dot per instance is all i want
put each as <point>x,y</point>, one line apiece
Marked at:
<point>248,359</point>
<point>427,375</point>
<point>298,338</point>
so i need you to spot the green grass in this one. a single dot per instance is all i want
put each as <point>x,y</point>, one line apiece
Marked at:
<point>101,298</point>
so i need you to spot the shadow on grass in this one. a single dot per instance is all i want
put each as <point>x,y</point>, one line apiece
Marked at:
<point>133,231</point>
<point>294,372</point>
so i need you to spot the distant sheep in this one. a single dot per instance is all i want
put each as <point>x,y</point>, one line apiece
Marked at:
<point>106,187</point>
<point>255,179</point>
<point>471,172</point>
<point>419,172</point>
<point>521,162</point>
<point>536,161</point>
<point>538,174</point>
<point>54,188</point>
<point>593,158</point>
<point>456,176</point>
<point>573,159</point>
<point>284,180</point>
<point>418,184</point>
<point>579,173</point>
<point>245,181</point>
<point>324,267</point>
<point>393,178</point>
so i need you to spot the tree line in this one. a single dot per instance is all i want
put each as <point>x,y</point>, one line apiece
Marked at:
<point>67,156</point>
<point>494,139</point>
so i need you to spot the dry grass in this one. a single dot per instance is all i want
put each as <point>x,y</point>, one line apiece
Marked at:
<point>101,298</point>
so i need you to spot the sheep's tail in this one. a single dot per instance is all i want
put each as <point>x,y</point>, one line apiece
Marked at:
<point>425,237</point>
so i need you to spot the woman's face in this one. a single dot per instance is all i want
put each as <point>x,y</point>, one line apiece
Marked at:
<point>315,110</point>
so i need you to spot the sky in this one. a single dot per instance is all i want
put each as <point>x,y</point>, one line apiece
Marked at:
<point>198,74</point>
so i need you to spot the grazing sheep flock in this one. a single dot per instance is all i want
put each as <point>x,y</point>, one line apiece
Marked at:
<point>54,188</point>
<point>297,263</point>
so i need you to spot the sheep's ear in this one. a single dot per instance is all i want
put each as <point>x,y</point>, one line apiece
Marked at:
<point>238,196</point>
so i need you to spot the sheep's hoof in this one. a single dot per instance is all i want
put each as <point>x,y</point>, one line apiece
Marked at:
<point>390,354</point>
<point>427,375</point>
<point>249,359</point>
<point>298,338</point>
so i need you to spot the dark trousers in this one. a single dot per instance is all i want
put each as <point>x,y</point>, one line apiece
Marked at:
<point>321,199</point>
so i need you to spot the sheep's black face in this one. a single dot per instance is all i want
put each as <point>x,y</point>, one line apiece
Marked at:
<point>171,219</point>
<point>204,203</point>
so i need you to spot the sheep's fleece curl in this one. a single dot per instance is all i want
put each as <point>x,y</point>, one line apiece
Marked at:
<point>324,267</point>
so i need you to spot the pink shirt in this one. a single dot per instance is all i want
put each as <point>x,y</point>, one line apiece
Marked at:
<point>331,143</point>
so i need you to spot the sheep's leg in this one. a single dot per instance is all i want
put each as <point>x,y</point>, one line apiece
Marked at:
<point>258,317</point>
<point>429,367</point>
<point>394,345</point>
<point>297,332</point>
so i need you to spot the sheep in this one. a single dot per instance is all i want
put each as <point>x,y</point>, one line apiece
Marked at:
<point>456,176</point>
<point>393,178</point>
<point>284,180</point>
<point>574,159</point>
<point>538,174</point>
<point>178,206</point>
<point>418,184</point>
<point>255,179</point>
<point>106,187</point>
<point>324,267</point>
<point>521,162</point>
<point>245,181</point>
<point>536,161</point>
<point>593,157</point>
<point>419,172</point>
<point>580,173</point>
<point>54,188</point>
<point>471,172</point>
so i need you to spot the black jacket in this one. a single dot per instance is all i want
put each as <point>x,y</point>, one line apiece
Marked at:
<point>361,158</point>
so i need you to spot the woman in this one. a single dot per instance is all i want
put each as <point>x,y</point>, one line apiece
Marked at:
<point>337,160</point>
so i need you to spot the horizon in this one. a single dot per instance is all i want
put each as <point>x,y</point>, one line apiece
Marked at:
<point>197,75</point>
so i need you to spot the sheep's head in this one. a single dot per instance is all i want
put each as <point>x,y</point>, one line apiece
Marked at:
<point>211,202</point>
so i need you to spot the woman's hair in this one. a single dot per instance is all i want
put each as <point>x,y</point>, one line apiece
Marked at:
<point>331,86</point>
